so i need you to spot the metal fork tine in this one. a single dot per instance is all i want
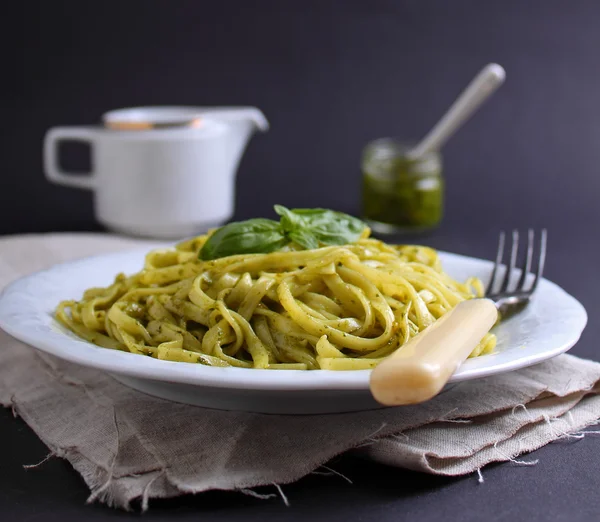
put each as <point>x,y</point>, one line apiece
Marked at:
<point>499,256</point>
<point>513,261</point>
<point>526,269</point>
<point>542,260</point>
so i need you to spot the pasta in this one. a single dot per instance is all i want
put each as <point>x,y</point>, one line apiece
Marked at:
<point>341,307</point>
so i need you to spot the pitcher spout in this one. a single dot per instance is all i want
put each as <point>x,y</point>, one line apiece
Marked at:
<point>243,122</point>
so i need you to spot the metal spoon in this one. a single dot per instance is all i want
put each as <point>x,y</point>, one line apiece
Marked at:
<point>479,90</point>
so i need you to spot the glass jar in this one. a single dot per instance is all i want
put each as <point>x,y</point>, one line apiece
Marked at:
<point>401,194</point>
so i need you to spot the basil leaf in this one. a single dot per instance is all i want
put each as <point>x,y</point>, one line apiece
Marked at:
<point>289,220</point>
<point>304,238</point>
<point>326,226</point>
<point>255,236</point>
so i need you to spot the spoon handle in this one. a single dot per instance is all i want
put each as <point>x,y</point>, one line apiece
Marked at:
<point>421,368</point>
<point>480,88</point>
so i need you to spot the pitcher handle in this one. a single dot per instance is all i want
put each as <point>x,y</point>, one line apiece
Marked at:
<point>52,170</point>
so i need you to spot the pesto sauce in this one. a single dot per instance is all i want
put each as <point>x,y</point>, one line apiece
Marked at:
<point>408,195</point>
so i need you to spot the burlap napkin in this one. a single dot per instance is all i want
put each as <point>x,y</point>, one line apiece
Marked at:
<point>130,446</point>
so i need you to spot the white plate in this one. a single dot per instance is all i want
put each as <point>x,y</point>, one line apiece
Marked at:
<point>550,325</point>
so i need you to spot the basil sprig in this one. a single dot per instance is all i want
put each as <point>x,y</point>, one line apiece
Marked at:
<point>308,228</point>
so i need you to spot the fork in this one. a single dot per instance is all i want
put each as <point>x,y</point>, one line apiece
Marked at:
<point>510,301</point>
<point>421,368</point>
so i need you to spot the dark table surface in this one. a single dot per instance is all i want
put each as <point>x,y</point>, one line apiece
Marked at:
<point>330,76</point>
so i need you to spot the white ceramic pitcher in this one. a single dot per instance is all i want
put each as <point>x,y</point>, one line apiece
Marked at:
<point>163,172</point>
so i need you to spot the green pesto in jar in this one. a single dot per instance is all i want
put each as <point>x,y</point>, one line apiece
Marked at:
<point>401,194</point>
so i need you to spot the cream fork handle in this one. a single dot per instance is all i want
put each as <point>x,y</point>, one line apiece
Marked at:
<point>419,370</point>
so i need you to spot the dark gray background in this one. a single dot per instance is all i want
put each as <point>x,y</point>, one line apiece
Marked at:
<point>330,76</point>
